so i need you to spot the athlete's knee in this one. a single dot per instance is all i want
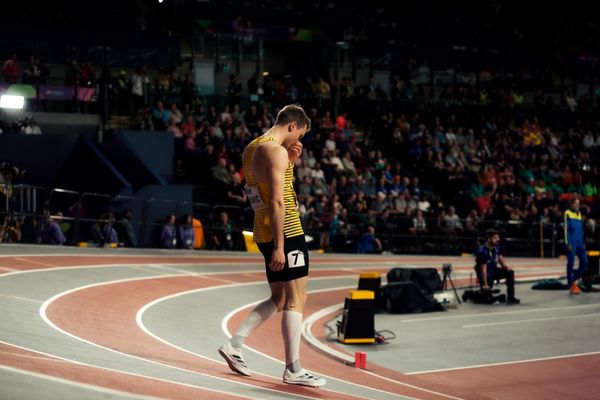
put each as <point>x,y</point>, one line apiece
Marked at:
<point>295,302</point>
<point>279,301</point>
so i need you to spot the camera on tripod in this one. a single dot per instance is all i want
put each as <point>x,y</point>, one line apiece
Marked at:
<point>447,277</point>
<point>447,268</point>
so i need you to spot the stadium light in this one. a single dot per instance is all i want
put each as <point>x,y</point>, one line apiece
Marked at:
<point>12,101</point>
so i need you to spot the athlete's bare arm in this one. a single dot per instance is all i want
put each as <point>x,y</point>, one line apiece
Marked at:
<point>269,165</point>
<point>294,152</point>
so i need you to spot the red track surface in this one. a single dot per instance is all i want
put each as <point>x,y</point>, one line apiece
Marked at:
<point>106,315</point>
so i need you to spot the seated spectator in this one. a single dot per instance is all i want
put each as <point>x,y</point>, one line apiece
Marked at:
<point>175,114</point>
<point>10,230</point>
<point>51,232</point>
<point>106,233</point>
<point>419,224</point>
<point>369,243</point>
<point>186,232</point>
<point>221,173</point>
<point>189,126</point>
<point>143,120</point>
<point>110,234</point>
<point>452,220</point>
<point>174,129</point>
<point>160,117</point>
<point>40,225</point>
<point>168,235</point>
<point>236,195</point>
<point>11,69</point>
<point>223,233</point>
<point>127,231</point>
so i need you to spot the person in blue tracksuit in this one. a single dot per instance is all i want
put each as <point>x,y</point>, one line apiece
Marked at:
<point>575,242</point>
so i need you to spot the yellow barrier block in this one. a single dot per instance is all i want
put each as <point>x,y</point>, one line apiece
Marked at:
<point>251,246</point>
<point>353,341</point>
<point>361,295</point>
<point>370,275</point>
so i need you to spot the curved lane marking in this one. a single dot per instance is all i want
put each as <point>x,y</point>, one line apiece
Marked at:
<point>43,314</point>
<point>433,371</point>
<point>196,261</point>
<point>90,372</point>
<point>344,358</point>
<point>70,382</point>
<point>140,323</point>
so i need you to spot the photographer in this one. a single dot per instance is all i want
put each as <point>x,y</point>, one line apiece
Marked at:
<point>488,259</point>
<point>10,230</point>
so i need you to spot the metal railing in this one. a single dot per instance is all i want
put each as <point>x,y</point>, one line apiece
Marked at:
<point>82,210</point>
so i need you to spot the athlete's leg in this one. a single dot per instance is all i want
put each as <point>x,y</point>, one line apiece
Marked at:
<point>291,326</point>
<point>583,261</point>
<point>291,322</point>
<point>570,263</point>
<point>231,351</point>
<point>259,314</point>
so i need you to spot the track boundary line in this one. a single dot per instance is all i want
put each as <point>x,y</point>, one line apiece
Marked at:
<point>45,318</point>
<point>65,381</point>
<point>69,360</point>
<point>433,371</point>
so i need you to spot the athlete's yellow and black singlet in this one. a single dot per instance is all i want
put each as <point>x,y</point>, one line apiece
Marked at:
<point>259,197</point>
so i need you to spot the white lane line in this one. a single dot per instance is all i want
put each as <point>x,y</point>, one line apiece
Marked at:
<point>260,268</point>
<point>493,314</point>
<point>117,254</point>
<point>526,321</point>
<point>8,269</point>
<point>21,298</point>
<point>412,386</point>
<point>75,383</point>
<point>43,315</point>
<point>125,265</point>
<point>225,321</point>
<point>432,371</point>
<point>141,311</point>
<point>316,343</point>
<point>69,360</point>
<point>345,358</point>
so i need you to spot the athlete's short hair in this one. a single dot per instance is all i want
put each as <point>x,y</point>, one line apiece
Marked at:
<point>293,113</point>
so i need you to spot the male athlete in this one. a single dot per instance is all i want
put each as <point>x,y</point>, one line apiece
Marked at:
<point>575,242</point>
<point>268,163</point>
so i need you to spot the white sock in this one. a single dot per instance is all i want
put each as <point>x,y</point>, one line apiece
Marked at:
<point>291,325</point>
<point>259,314</point>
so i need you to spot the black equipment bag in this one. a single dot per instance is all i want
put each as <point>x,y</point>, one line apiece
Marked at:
<point>426,279</point>
<point>407,297</point>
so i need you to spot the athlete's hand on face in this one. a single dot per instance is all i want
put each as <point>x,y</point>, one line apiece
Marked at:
<point>294,152</point>
<point>277,260</point>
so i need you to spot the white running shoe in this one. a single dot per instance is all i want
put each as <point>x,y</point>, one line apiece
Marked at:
<point>234,359</point>
<point>303,378</point>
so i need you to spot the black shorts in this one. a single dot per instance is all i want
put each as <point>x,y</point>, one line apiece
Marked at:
<point>296,259</point>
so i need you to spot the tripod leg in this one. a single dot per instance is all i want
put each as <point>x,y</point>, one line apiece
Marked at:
<point>455,292</point>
